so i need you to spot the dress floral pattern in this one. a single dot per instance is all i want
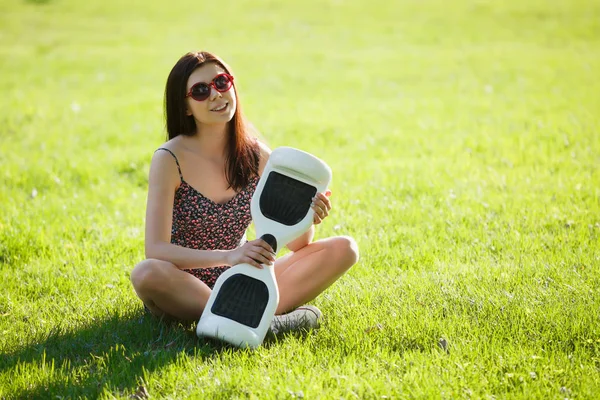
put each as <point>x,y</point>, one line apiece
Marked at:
<point>200,223</point>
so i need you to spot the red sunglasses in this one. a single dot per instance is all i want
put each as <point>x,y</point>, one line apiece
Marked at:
<point>201,90</point>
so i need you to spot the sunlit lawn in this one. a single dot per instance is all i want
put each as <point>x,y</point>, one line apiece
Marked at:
<point>464,138</point>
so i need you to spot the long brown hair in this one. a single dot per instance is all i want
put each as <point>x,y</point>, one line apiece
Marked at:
<point>242,154</point>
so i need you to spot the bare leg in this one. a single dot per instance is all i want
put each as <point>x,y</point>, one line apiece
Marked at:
<point>303,275</point>
<point>168,291</point>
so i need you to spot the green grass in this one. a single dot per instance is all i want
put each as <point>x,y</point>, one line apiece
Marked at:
<point>464,137</point>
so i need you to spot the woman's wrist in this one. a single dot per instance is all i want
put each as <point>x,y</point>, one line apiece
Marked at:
<point>211,258</point>
<point>223,257</point>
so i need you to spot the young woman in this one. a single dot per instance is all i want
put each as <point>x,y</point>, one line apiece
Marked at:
<point>200,185</point>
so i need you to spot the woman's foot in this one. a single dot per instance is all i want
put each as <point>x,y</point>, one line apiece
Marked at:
<point>303,318</point>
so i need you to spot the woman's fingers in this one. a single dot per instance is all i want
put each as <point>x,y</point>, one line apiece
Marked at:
<point>253,262</point>
<point>321,206</point>
<point>264,245</point>
<point>267,247</point>
<point>316,219</point>
<point>261,257</point>
<point>265,250</point>
<point>259,252</point>
<point>322,201</point>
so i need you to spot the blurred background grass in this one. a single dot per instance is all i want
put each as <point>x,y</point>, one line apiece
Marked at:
<point>463,137</point>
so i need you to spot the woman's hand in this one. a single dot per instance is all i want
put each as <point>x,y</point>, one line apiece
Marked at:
<point>321,206</point>
<point>255,253</point>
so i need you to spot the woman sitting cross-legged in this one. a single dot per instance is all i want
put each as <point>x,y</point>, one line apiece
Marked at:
<point>200,185</point>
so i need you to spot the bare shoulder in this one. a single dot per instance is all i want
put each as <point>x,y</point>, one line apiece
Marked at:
<point>265,152</point>
<point>163,167</point>
<point>167,152</point>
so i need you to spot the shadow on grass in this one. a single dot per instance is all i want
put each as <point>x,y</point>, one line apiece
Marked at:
<point>112,354</point>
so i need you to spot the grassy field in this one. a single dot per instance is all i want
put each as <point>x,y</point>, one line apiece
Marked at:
<point>464,137</point>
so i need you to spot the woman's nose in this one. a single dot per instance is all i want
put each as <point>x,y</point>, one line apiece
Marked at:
<point>214,93</point>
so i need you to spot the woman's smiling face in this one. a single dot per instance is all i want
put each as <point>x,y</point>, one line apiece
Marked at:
<point>219,107</point>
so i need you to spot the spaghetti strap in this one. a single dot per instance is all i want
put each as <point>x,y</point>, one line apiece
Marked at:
<point>176,161</point>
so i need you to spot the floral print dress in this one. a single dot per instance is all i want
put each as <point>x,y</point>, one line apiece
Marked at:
<point>200,223</point>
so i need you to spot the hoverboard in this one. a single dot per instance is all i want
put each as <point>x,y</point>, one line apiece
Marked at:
<point>243,301</point>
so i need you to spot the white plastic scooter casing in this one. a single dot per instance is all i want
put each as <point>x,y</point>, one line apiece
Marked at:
<point>298,165</point>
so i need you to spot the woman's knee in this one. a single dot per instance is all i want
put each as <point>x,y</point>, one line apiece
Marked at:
<point>148,274</point>
<point>346,249</point>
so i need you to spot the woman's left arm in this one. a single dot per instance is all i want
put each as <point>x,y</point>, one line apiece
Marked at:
<point>303,240</point>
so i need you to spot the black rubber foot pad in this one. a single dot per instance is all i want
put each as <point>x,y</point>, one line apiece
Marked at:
<point>242,299</point>
<point>286,200</point>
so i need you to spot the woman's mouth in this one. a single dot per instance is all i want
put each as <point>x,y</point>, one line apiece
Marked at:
<point>220,108</point>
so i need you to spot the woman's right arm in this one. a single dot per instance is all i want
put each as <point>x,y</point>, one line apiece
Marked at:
<point>163,180</point>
